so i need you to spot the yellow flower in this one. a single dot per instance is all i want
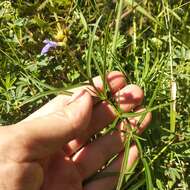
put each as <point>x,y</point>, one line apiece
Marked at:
<point>62,35</point>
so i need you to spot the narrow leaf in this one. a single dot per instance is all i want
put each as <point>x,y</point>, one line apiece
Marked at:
<point>90,49</point>
<point>124,166</point>
<point>149,184</point>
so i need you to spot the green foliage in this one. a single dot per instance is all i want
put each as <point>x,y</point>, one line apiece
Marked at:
<point>149,42</point>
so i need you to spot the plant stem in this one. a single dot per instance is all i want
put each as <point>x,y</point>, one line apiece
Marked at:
<point>55,16</point>
<point>173,89</point>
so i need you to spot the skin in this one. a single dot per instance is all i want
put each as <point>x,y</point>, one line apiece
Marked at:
<point>50,150</point>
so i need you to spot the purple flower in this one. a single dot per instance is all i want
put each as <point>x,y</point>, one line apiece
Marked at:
<point>49,44</point>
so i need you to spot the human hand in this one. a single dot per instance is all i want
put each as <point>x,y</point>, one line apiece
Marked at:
<point>43,152</point>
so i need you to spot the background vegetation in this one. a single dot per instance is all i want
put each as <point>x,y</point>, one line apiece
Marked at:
<point>149,43</point>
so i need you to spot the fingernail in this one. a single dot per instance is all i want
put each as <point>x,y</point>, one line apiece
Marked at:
<point>76,96</point>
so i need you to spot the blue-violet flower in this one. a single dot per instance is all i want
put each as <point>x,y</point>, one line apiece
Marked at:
<point>48,46</point>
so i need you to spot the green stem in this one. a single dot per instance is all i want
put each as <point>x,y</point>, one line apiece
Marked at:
<point>172,80</point>
<point>152,161</point>
<point>56,17</point>
<point>117,26</point>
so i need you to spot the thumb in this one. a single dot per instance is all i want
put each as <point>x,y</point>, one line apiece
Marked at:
<point>45,135</point>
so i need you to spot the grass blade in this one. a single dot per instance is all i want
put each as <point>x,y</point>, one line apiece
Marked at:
<point>117,26</point>
<point>131,114</point>
<point>141,10</point>
<point>47,93</point>
<point>149,184</point>
<point>131,171</point>
<point>137,185</point>
<point>124,163</point>
<point>90,49</point>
